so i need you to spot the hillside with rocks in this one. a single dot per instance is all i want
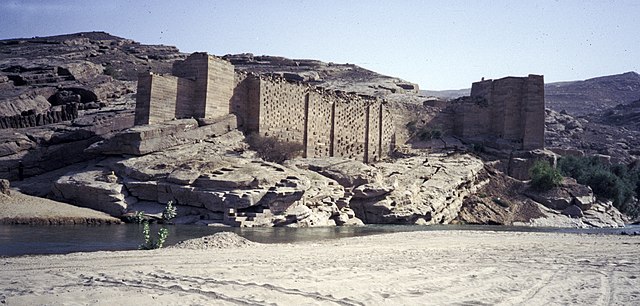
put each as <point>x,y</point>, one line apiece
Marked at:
<point>593,96</point>
<point>66,132</point>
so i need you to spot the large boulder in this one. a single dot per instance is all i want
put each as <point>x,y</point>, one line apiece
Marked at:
<point>519,164</point>
<point>95,189</point>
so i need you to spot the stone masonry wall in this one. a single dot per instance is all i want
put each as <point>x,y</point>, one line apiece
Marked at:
<point>507,112</point>
<point>534,113</point>
<point>201,87</point>
<point>220,85</point>
<point>320,125</point>
<point>327,123</point>
<point>351,129</point>
<point>282,109</point>
<point>156,98</point>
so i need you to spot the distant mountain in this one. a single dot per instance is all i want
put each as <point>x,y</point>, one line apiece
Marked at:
<point>593,95</point>
<point>446,94</point>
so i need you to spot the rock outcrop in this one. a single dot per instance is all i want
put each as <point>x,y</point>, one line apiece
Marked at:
<point>415,190</point>
<point>217,180</point>
<point>4,187</point>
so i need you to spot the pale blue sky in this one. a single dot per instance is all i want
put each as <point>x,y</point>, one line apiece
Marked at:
<point>437,44</point>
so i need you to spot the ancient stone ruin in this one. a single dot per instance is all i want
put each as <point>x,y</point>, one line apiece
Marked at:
<point>327,123</point>
<point>507,113</point>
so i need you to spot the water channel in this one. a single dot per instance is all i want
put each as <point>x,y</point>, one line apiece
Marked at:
<point>18,240</point>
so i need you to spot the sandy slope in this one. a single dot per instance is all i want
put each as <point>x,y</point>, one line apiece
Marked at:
<point>22,208</point>
<point>448,267</point>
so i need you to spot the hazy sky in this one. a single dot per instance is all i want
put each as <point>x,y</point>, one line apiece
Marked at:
<point>438,44</point>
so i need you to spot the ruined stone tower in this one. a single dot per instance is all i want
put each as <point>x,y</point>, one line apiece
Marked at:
<point>200,87</point>
<point>504,113</point>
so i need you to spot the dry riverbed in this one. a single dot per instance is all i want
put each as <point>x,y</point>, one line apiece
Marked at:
<point>430,267</point>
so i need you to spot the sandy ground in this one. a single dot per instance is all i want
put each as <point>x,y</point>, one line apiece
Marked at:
<point>22,208</point>
<point>433,268</point>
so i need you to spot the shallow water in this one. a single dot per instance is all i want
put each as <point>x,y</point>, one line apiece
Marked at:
<point>27,239</point>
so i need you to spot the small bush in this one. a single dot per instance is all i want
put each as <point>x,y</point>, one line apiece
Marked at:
<point>544,176</point>
<point>150,243</point>
<point>274,150</point>
<point>169,212</point>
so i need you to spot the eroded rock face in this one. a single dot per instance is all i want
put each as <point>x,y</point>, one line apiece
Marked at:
<point>427,190</point>
<point>423,190</point>
<point>569,193</point>
<point>221,185</point>
<point>91,188</point>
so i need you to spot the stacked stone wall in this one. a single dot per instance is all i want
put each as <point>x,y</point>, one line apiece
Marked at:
<point>320,113</point>
<point>534,113</point>
<point>194,68</point>
<point>282,110</point>
<point>506,111</point>
<point>327,123</point>
<point>157,97</point>
<point>350,129</point>
<point>220,85</point>
<point>387,132</point>
<point>508,96</point>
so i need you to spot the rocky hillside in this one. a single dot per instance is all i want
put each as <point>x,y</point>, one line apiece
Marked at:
<point>623,115</point>
<point>593,95</point>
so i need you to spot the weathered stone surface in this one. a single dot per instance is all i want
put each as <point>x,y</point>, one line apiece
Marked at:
<point>348,173</point>
<point>12,143</point>
<point>246,192</point>
<point>520,163</point>
<point>431,188</point>
<point>567,194</point>
<point>604,214</point>
<point>80,70</point>
<point>5,187</point>
<point>146,139</point>
<point>370,191</point>
<point>556,198</point>
<point>90,189</point>
<point>601,215</point>
<point>573,211</point>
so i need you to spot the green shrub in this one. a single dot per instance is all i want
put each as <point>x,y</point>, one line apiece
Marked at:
<point>544,176</point>
<point>150,243</point>
<point>274,150</point>
<point>169,212</point>
<point>619,183</point>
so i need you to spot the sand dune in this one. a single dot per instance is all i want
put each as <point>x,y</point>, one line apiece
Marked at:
<point>433,268</point>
